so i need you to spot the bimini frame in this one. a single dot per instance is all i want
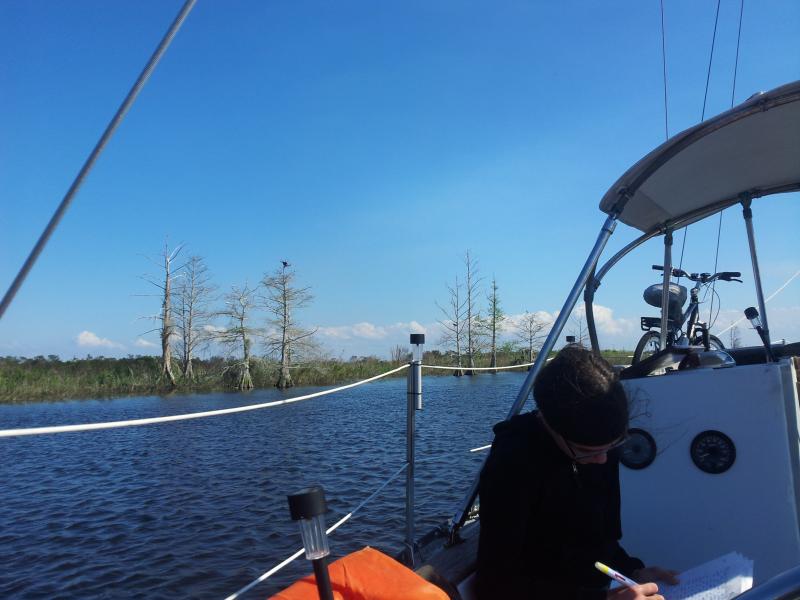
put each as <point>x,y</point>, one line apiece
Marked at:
<point>750,151</point>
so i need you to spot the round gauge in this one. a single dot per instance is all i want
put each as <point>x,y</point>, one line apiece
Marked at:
<point>713,451</point>
<point>639,451</point>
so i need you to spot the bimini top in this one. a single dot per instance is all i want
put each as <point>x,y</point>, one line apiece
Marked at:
<point>751,150</point>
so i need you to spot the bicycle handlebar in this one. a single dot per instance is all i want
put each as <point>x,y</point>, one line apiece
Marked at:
<point>675,272</point>
<point>729,275</point>
<point>703,277</point>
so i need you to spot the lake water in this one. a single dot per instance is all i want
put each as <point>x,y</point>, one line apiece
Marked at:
<point>198,508</point>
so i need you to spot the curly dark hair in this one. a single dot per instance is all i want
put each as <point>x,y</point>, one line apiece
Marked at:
<point>580,397</point>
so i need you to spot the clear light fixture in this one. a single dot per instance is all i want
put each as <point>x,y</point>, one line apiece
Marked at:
<point>755,320</point>
<point>415,370</point>
<point>752,315</point>
<point>417,342</point>
<point>308,507</point>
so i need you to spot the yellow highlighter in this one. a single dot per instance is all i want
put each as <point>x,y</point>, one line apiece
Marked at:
<point>615,575</point>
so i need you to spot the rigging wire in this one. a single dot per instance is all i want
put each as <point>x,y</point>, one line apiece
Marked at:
<point>771,296</point>
<point>703,114</point>
<point>716,261</point>
<point>719,227</point>
<point>664,65</point>
<point>101,144</point>
<point>344,519</point>
<point>666,112</point>
<point>738,41</point>
<point>710,60</point>
<point>329,531</point>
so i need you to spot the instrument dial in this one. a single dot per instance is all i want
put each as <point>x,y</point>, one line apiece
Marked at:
<point>639,451</point>
<point>713,452</point>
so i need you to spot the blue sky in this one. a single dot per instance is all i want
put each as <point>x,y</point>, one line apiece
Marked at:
<point>370,144</point>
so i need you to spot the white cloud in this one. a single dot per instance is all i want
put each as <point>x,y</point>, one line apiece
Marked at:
<point>143,343</point>
<point>512,323</point>
<point>88,339</point>
<point>414,327</point>
<point>212,329</point>
<point>370,331</point>
<point>605,321</point>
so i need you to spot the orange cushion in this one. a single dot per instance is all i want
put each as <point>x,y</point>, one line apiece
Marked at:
<point>366,575</point>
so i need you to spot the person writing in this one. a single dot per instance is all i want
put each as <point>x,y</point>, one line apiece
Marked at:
<point>549,492</point>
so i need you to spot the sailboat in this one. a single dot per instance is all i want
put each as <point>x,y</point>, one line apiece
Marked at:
<point>719,436</point>
<point>715,441</point>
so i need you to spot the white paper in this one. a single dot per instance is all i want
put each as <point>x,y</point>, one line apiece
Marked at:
<point>720,579</point>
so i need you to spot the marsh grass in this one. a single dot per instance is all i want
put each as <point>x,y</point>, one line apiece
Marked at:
<point>49,378</point>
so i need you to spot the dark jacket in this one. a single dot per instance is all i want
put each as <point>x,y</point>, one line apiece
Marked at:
<point>545,520</point>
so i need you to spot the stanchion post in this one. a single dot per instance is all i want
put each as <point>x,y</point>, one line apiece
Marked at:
<point>747,213</point>
<point>413,404</point>
<point>665,288</point>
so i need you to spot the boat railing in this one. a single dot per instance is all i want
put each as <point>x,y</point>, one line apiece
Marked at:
<point>785,586</point>
<point>414,403</point>
<point>185,416</point>
<point>286,562</point>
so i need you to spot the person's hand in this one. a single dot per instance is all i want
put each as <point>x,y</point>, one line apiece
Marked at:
<point>644,591</point>
<point>656,574</point>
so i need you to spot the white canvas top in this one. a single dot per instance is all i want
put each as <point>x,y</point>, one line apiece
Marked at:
<point>752,149</point>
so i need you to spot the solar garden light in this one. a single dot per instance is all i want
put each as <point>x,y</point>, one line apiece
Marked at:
<point>415,372</point>
<point>309,507</point>
<point>755,320</point>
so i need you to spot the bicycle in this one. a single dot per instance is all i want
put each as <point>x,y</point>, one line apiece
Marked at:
<point>696,332</point>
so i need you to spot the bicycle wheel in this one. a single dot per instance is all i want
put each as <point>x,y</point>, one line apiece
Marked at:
<point>649,344</point>
<point>714,343</point>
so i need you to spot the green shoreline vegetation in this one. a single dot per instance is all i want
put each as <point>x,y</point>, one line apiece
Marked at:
<point>49,378</point>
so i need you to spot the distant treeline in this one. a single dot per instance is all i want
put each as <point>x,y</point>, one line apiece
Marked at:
<point>50,378</point>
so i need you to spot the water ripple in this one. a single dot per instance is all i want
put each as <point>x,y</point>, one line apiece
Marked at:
<point>198,508</point>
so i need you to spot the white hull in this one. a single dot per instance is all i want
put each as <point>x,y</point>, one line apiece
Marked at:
<point>678,516</point>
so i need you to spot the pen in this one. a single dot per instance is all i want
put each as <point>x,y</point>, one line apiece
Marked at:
<point>615,575</point>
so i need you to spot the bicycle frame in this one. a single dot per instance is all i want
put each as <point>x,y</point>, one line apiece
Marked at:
<point>689,318</point>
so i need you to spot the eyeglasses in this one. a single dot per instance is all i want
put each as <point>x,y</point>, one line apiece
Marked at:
<point>593,453</point>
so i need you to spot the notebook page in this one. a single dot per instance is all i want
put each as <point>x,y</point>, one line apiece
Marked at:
<point>720,579</point>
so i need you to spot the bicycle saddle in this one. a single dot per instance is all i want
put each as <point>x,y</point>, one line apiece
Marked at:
<point>677,297</point>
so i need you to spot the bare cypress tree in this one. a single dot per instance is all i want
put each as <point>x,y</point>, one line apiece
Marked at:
<point>578,329</point>
<point>473,316</point>
<point>166,328</point>
<point>454,323</point>
<point>495,321</point>
<point>530,331</point>
<point>194,292</point>
<point>399,354</point>
<point>284,336</point>
<point>238,335</point>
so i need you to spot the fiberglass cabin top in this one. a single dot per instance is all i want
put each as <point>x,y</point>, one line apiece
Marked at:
<point>714,457</point>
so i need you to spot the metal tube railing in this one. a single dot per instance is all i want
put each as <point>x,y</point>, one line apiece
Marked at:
<point>93,156</point>
<point>591,262</point>
<point>662,344</point>
<point>747,212</point>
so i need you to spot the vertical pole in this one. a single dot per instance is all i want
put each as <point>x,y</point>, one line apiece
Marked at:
<point>751,240</point>
<point>665,289</point>
<point>588,303</point>
<point>413,404</point>
<point>322,578</point>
